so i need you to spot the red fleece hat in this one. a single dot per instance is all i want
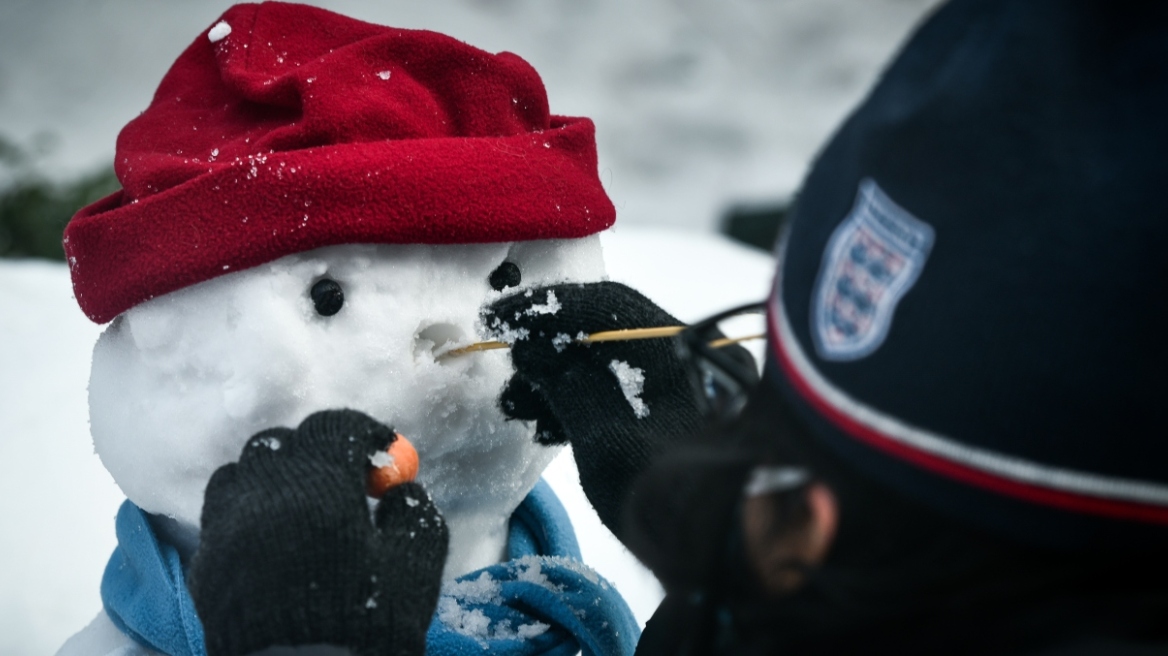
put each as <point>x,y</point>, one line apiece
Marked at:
<point>285,127</point>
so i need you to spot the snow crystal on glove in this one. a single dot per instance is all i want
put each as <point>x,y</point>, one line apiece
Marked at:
<point>632,383</point>
<point>551,306</point>
<point>561,341</point>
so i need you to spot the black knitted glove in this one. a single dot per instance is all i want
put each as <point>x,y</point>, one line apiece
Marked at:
<point>289,554</point>
<point>682,525</point>
<point>573,393</point>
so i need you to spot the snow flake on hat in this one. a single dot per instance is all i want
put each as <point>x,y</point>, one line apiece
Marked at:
<point>219,32</point>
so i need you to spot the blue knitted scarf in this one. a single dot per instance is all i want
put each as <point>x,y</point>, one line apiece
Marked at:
<point>542,601</point>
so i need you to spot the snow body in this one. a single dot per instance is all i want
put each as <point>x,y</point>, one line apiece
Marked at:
<point>180,382</point>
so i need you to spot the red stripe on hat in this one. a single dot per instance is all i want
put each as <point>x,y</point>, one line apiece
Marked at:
<point>948,468</point>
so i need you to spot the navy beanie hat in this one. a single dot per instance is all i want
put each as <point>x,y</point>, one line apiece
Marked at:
<point>972,292</point>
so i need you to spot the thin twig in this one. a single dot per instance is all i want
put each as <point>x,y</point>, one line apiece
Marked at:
<point>473,348</point>
<point>605,336</point>
<point>727,341</point>
<point>631,333</point>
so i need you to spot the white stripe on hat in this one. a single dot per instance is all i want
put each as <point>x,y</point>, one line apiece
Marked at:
<point>927,442</point>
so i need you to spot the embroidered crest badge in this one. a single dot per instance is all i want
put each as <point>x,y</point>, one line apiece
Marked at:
<point>871,261</point>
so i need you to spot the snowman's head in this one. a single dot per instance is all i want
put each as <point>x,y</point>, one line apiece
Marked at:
<point>180,382</point>
<point>289,145</point>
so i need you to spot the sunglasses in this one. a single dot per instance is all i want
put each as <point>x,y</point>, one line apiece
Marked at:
<point>721,373</point>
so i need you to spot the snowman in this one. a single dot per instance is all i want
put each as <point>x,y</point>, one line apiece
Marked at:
<point>314,212</point>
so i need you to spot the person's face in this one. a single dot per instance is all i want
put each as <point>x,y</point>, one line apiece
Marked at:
<point>785,533</point>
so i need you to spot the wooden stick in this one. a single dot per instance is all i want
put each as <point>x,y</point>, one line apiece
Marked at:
<point>727,341</point>
<point>477,346</point>
<point>631,333</point>
<point>605,336</point>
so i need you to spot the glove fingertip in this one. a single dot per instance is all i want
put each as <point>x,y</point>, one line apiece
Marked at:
<point>266,443</point>
<point>520,400</point>
<point>348,435</point>
<point>408,501</point>
<point>225,475</point>
<point>220,492</point>
<point>407,495</point>
<point>548,436</point>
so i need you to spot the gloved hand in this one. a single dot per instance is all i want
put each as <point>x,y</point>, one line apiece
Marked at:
<point>290,555</point>
<point>575,392</point>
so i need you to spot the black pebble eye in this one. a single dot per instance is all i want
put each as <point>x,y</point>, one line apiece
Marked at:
<point>505,275</point>
<point>328,297</point>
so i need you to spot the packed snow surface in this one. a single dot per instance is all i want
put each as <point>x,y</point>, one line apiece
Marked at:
<point>180,382</point>
<point>58,502</point>
<point>219,31</point>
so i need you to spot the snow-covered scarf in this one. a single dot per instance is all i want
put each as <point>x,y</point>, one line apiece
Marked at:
<point>542,601</point>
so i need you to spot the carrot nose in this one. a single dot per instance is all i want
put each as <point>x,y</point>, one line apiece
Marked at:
<point>396,465</point>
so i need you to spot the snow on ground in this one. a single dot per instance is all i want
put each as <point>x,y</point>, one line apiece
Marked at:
<point>696,102</point>
<point>57,503</point>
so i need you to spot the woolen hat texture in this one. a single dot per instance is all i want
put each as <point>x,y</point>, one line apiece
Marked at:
<point>284,128</point>
<point>971,297</point>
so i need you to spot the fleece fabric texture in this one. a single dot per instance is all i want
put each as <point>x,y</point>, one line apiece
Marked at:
<point>285,127</point>
<point>144,589</point>
<point>544,601</point>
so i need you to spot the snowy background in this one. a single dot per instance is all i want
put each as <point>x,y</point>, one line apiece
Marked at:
<point>699,104</point>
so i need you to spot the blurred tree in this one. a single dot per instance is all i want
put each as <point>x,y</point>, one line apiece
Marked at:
<point>755,225</point>
<point>34,211</point>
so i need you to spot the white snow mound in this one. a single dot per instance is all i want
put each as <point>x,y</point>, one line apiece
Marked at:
<point>219,32</point>
<point>179,383</point>
<point>632,383</point>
